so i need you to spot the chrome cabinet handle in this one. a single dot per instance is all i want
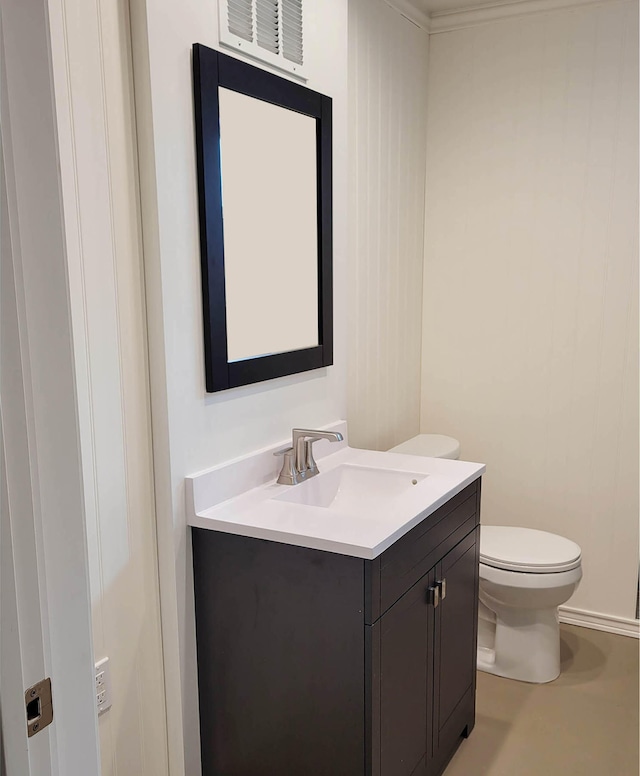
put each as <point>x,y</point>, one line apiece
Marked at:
<point>442,585</point>
<point>433,596</point>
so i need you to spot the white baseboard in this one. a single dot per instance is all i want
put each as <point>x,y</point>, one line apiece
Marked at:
<point>623,626</point>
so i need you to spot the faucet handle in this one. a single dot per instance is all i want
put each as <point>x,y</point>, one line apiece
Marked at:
<point>288,474</point>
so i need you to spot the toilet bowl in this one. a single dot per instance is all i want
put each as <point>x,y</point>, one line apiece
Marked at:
<point>525,575</point>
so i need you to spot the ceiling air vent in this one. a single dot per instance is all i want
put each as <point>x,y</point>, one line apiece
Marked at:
<point>268,30</point>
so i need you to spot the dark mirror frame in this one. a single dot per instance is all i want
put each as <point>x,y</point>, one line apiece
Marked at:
<point>211,69</point>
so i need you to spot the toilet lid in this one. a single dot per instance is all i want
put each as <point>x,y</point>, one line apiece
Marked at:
<point>429,445</point>
<point>526,549</point>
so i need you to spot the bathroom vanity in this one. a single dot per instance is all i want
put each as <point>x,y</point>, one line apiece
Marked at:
<point>315,661</point>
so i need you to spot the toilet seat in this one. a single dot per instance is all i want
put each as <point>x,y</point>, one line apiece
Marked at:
<point>527,550</point>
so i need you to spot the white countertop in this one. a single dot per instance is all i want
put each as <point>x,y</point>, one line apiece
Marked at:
<point>255,512</point>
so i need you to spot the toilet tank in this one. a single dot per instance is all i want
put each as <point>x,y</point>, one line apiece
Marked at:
<point>430,445</point>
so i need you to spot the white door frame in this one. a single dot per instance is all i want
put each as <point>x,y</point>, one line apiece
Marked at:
<point>46,624</point>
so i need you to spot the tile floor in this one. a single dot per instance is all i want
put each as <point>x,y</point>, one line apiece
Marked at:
<point>583,724</point>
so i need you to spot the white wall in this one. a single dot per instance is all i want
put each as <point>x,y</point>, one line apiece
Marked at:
<point>193,430</point>
<point>530,352</point>
<point>387,131</point>
<point>96,133</point>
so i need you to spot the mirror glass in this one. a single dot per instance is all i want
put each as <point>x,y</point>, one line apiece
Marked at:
<point>268,164</point>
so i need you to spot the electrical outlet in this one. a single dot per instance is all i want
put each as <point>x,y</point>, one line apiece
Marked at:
<point>103,685</point>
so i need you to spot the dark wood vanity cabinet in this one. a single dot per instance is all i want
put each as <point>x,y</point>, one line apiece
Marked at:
<point>312,663</point>
<point>424,655</point>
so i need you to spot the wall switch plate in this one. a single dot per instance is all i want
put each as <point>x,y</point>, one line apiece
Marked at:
<point>103,685</point>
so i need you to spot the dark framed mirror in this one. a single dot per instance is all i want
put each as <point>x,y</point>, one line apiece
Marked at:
<point>265,196</point>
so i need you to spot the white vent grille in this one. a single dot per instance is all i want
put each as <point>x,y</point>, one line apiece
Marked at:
<point>269,30</point>
<point>292,30</point>
<point>240,18</point>
<point>267,25</point>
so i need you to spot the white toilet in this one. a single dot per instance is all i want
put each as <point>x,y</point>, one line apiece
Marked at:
<point>524,576</point>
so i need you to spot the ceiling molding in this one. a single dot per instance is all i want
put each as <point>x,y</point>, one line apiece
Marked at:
<point>472,17</point>
<point>413,11</point>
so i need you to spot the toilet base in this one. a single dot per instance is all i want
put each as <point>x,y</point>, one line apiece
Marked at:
<point>526,644</point>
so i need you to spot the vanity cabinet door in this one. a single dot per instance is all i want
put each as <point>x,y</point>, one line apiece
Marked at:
<point>406,682</point>
<point>455,647</point>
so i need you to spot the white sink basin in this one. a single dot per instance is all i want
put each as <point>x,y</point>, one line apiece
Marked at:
<point>353,489</point>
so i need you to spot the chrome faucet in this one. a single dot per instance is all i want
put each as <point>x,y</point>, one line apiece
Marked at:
<point>299,464</point>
